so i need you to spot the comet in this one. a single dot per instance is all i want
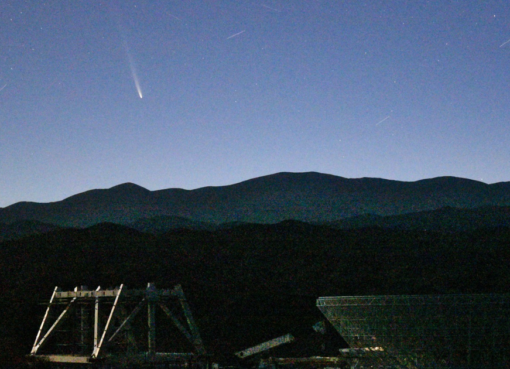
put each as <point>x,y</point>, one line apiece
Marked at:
<point>132,66</point>
<point>4,86</point>
<point>131,61</point>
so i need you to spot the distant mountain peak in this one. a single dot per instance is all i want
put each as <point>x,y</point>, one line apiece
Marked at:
<point>129,187</point>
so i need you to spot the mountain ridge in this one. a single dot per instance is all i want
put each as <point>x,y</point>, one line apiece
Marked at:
<point>447,219</point>
<point>307,196</point>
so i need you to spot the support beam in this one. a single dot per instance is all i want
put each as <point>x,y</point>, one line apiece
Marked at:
<point>95,354</point>
<point>197,340</point>
<point>57,322</point>
<point>44,320</point>
<point>128,319</point>
<point>83,327</point>
<point>128,328</point>
<point>151,317</point>
<point>177,322</point>
<point>96,320</point>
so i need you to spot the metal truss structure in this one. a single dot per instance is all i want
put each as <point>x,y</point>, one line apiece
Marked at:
<point>424,331</point>
<point>86,326</point>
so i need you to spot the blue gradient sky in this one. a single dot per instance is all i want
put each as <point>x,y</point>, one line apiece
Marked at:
<point>396,89</point>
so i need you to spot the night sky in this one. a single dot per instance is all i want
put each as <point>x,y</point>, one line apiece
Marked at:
<point>195,93</point>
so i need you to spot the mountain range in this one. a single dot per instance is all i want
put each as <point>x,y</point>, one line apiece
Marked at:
<point>309,197</point>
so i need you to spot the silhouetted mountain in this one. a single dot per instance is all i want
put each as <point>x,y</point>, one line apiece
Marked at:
<point>446,219</point>
<point>310,197</point>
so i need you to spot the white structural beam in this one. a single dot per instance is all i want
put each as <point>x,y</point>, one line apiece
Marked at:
<point>48,333</point>
<point>95,353</point>
<point>96,319</point>
<point>44,319</point>
<point>71,359</point>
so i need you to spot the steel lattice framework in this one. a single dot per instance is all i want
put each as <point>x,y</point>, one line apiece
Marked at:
<point>92,325</point>
<point>425,331</point>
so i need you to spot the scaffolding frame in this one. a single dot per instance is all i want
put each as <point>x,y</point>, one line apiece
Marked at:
<point>425,331</point>
<point>118,304</point>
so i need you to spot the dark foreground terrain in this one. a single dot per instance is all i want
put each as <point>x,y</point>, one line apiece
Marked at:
<point>248,283</point>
